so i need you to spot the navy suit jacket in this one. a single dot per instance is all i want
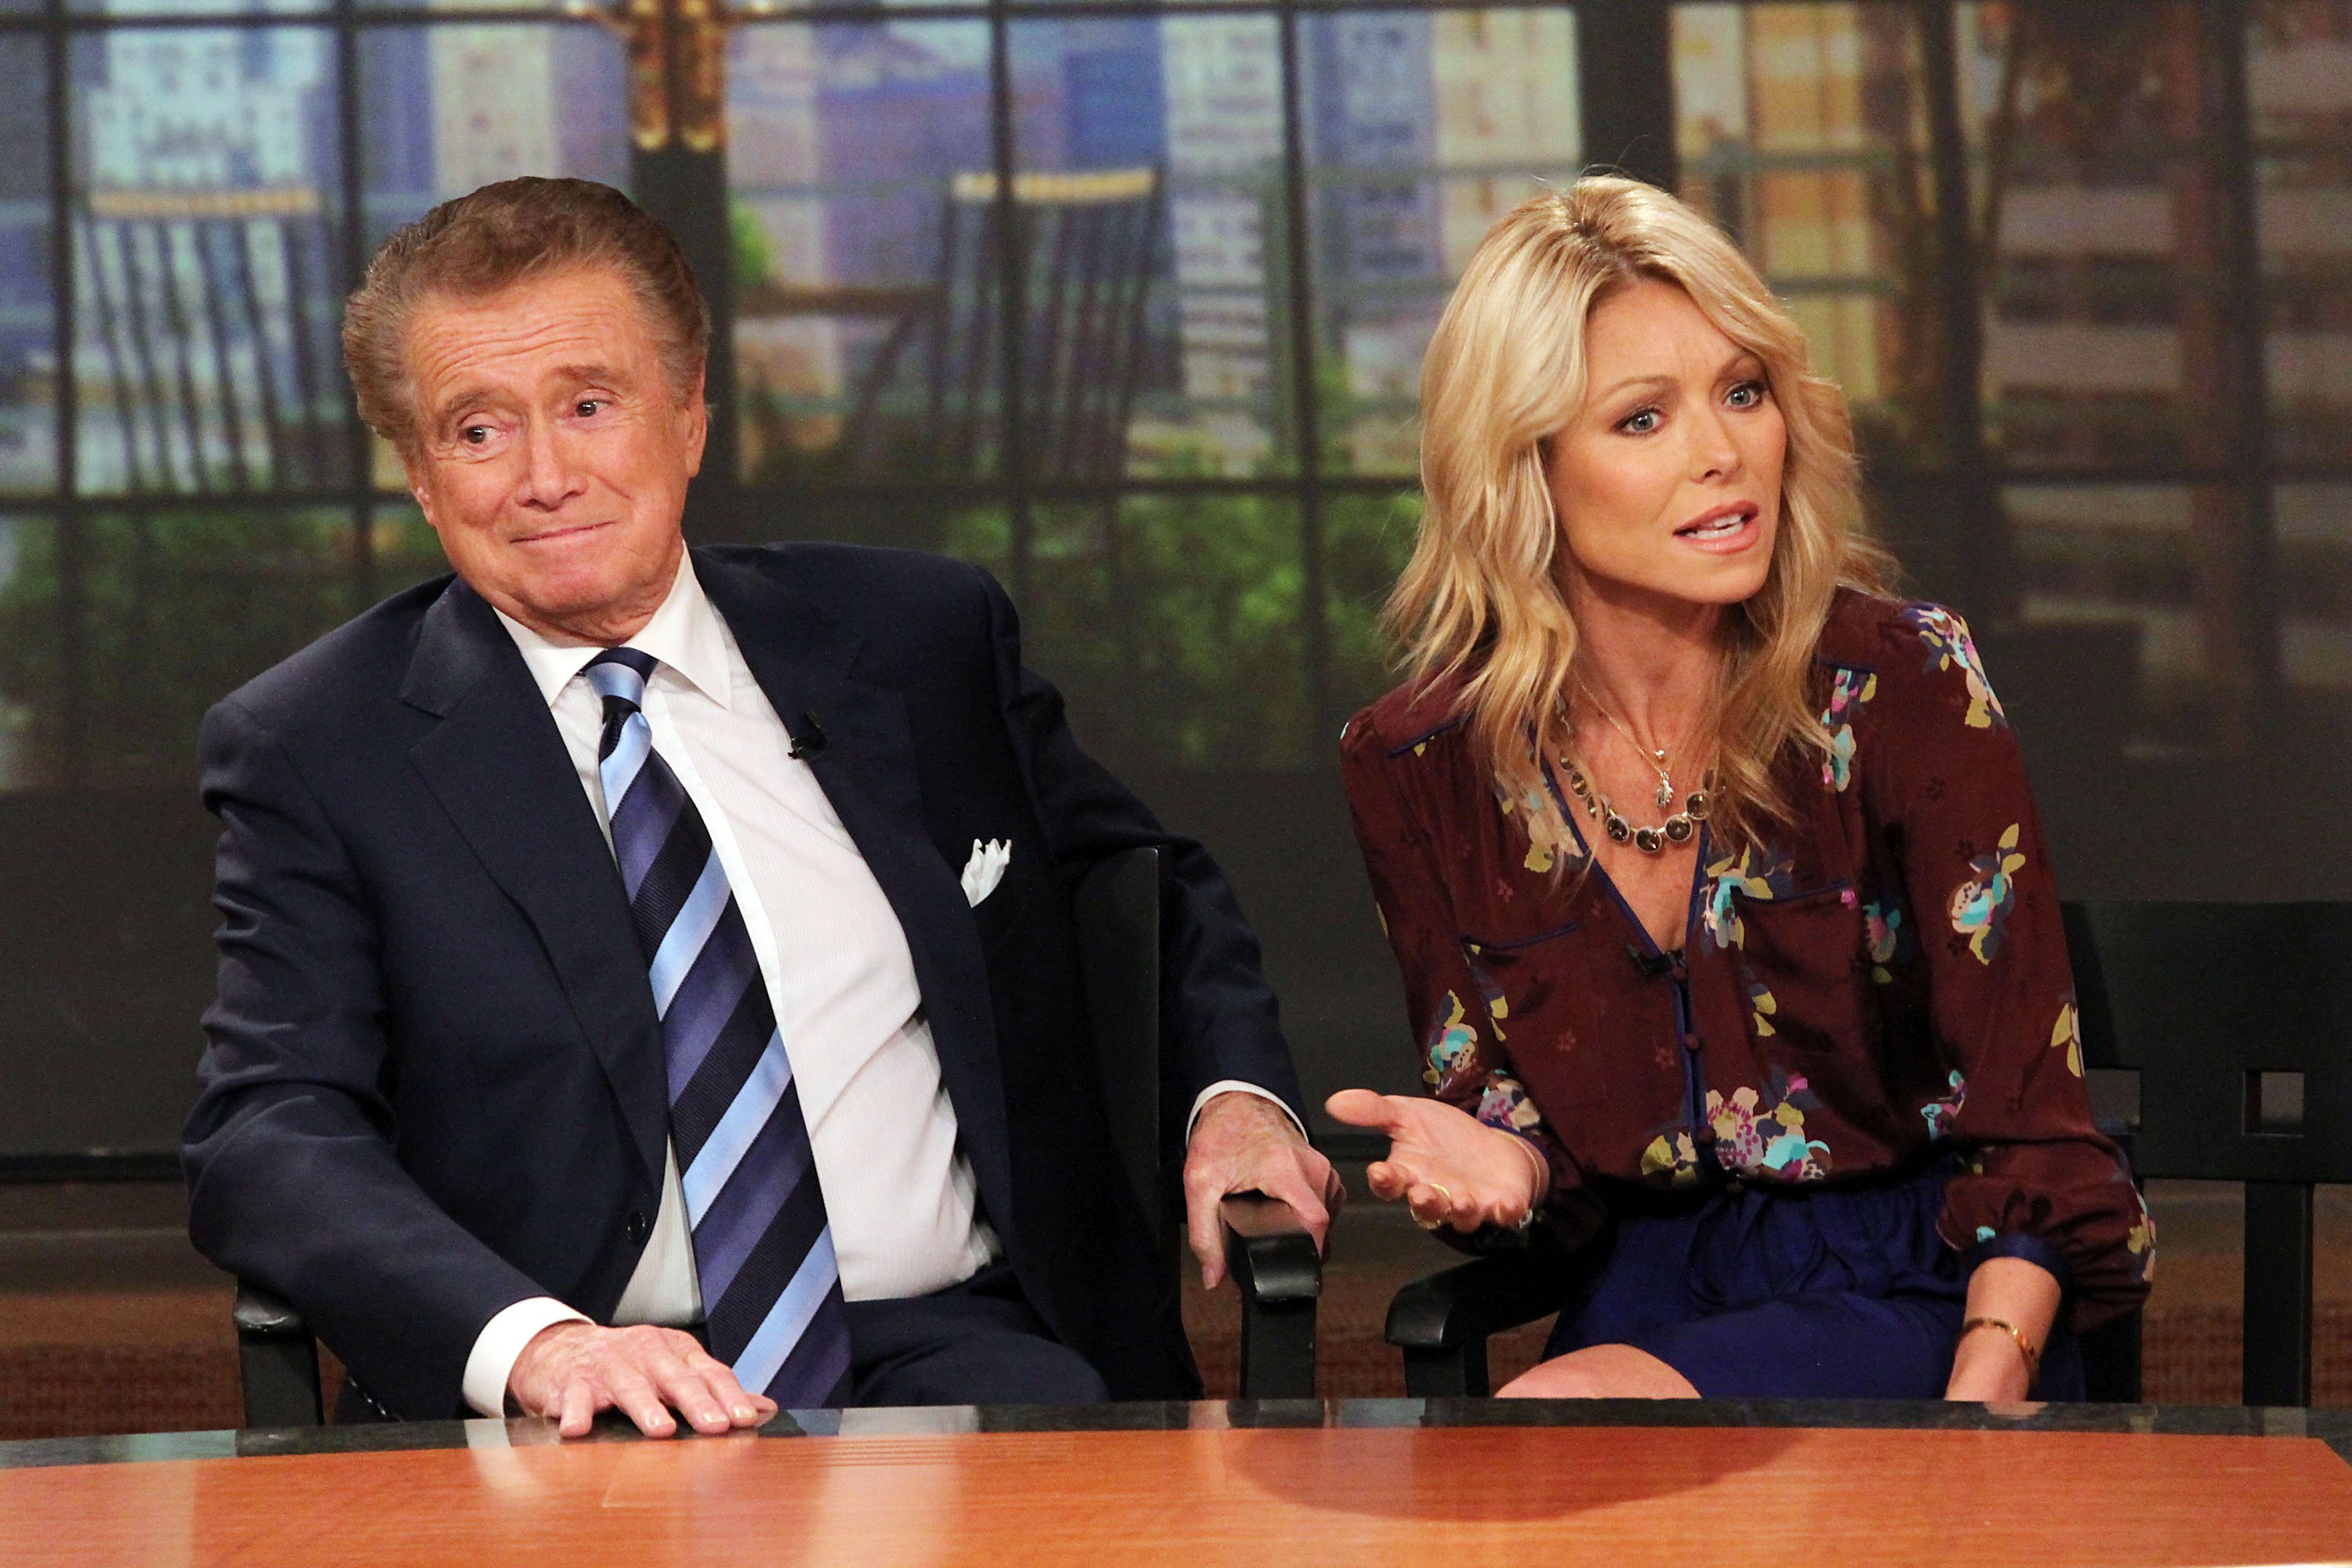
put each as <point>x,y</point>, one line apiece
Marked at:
<point>433,1085</point>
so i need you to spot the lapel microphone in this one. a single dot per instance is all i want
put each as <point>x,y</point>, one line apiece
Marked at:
<point>808,738</point>
<point>1654,965</point>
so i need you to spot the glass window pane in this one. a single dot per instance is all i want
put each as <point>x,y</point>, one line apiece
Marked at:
<point>1422,129</point>
<point>455,106</point>
<point>28,348</point>
<point>1802,131</point>
<point>173,610</point>
<point>208,261</point>
<point>1172,623</point>
<point>2314,546</point>
<point>2104,334</point>
<point>403,549</point>
<point>1221,400</point>
<point>2126,555</point>
<point>29,629</point>
<point>2299,71</point>
<point>866,278</point>
<point>571,6</point>
<point>1367,539</point>
<point>141,9</point>
<point>1151,152</point>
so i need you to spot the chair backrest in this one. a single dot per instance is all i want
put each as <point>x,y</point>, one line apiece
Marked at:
<point>2238,1020</point>
<point>1116,910</point>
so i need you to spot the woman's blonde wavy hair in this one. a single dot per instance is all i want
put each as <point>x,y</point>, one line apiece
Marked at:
<point>1485,596</point>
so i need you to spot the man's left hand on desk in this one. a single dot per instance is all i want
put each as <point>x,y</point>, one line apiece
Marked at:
<point>1247,1143</point>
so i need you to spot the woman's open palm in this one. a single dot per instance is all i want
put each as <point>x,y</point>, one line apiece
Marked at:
<point>1448,1167</point>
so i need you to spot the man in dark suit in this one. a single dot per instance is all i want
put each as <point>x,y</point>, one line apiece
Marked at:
<point>647,975</point>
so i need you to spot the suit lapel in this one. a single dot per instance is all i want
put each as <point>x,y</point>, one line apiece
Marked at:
<point>499,766</point>
<point>868,768</point>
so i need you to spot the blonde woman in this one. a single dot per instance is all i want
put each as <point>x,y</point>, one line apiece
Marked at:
<point>1726,921</point>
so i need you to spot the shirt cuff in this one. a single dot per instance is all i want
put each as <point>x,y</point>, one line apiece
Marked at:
<point>1236,1085</point>
<point>2029,1247</point>
<point>499,1346</point>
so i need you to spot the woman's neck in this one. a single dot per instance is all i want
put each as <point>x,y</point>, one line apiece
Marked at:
<point>1653,664</point>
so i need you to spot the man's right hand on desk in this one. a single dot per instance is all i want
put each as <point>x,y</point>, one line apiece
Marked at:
<point>571,1371</point>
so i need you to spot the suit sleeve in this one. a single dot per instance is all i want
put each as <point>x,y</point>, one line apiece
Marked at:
<point>2038,1180</point>
<point>290,1150</point>
<point>1219,1011</point>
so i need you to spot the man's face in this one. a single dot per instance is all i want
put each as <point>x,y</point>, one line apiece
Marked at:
<point>552,454</point>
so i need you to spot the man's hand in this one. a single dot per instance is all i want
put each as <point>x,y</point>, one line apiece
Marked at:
<point>1245,1143</point>
<point>1448,1167</point>
<point>571,1371</point>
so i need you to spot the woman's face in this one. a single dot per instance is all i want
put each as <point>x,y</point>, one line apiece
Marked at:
<point>1668,485</point>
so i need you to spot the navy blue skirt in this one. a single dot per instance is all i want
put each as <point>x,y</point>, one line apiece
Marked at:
<point>1789,1292</point>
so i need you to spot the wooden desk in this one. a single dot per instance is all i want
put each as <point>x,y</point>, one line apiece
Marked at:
<point>1208,1492</point>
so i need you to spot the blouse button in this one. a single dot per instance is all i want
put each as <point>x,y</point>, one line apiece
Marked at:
<point>1692,1044</point>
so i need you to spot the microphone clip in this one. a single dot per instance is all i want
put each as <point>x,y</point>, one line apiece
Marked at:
<point>1655,965</point>
<point>808,738</point>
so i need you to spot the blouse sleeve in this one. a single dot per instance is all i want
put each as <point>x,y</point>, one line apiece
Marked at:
<point>2038,1180</point>
<point>1464,1059</point>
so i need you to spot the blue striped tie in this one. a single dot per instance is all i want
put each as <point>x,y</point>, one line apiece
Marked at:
<point>763,1247</point>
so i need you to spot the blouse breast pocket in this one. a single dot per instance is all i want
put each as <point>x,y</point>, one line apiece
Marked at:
<point>1535,990</point>
<point>1803,957</point>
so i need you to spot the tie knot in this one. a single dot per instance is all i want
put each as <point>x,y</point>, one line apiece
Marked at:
<point>619,675</point>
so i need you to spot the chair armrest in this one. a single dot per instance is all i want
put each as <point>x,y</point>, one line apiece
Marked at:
<point>1275,1263</point>
<point>1440,1323</point>
<point>1268,1250</point>
<point>260,1314</point>
<point>1471,1300</point>
<point>278,1360</point>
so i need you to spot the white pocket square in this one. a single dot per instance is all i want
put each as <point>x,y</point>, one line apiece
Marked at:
<point>986,868</point>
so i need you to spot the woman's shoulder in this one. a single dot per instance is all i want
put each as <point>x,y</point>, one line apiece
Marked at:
<point>1917,655</point>
<point>1895,638</point>
<point>1407,721</point>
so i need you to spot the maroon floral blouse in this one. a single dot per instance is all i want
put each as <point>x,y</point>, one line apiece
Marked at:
<point>1887,977</point>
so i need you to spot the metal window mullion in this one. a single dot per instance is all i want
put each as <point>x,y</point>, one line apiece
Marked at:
<point>1987,582</point>
<point>73,599</point>
<point>1013,317</point>
<point>1315,631</point>
<point>350,150</point>
<point>2245,316</point>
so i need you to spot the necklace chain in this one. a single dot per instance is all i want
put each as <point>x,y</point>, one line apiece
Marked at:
<point>1679,828</point>
<point>1657,757</point>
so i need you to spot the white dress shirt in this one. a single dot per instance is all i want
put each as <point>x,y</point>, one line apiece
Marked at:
<point>898,1193</point>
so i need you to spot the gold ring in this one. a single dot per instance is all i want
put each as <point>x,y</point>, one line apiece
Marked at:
<point>1426,1223</point>
<point>1441,1187</point>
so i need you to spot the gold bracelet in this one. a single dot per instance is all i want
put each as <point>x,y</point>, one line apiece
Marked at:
<point>2024,1346</point>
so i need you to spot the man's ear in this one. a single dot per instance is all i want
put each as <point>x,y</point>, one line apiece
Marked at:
<point>697,411</point>
<point>412,469</point>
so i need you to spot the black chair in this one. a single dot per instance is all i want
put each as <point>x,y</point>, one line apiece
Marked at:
<point>2237,1020</point>
<point>1268,1251</point>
